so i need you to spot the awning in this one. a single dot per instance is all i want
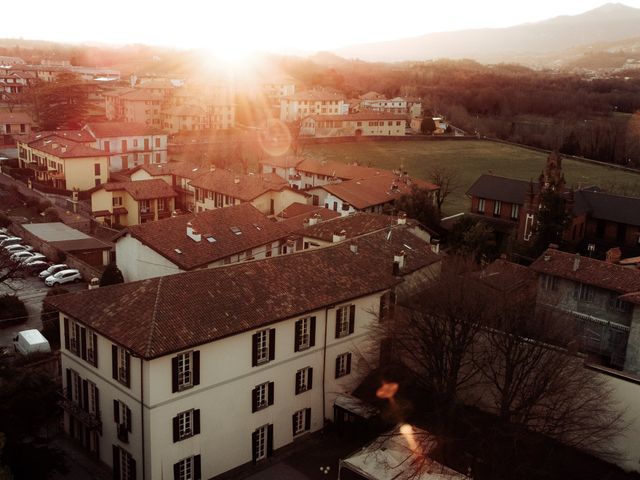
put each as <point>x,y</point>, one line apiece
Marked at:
<point>356,406</point>
<point>101,213</point>
<point>120,211</point>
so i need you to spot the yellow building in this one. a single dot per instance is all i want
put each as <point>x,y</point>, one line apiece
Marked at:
<point>184,118</point>
<point>363,124</point>
<point>132,203</point>
<point>64,160</point>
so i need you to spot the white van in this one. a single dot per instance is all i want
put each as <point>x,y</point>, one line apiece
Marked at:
<point>31,341</point>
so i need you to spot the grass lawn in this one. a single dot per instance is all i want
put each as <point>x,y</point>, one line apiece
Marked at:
<point>471,159</point>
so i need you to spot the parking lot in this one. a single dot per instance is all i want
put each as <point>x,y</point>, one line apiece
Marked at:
<point>31,290</point>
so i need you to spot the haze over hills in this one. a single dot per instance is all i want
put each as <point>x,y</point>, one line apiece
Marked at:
<point>610,22</point>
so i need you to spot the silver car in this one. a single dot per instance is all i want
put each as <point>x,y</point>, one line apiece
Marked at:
<point>18,248</point>
<point>53,269</point>
<point>21,256</point>
<point>33,258</point>
<point>62,277</point>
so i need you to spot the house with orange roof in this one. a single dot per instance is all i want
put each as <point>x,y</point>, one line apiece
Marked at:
<point>64,159</point>
<point>312,102</point>
<point>14,123</point>
<point>132,203</point>
<point>269,193</point>
<point>361,124</point>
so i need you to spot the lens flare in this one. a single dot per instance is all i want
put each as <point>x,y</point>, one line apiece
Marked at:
<point>277,141</point>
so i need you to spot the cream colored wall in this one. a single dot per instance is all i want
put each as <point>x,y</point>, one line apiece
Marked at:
<point>136,261</point>
<point>133,210</point>
<point>280,199</point>
<point>142,175</point>
<point>101,200</point>
<point>79,172</point>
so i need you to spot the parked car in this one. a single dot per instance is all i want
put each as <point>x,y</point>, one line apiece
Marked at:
<point>36,266</point>
<point>10,241</point>
<point>21,256</point>
<point>53,269</point>
<point>30,341</point>
<point>36,257</point>
<point>3,230</point>
<point>62,277</point>
<point>18,248</point>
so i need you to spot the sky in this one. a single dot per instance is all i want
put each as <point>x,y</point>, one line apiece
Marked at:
<point>234,28</point>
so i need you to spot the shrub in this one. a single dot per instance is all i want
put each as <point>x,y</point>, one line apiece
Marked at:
<point>44,205</point>
<point>32,202</point>
<point>12,310</point>
<point>5,221</point>
<point>51,215</point>
<point>111,275</point>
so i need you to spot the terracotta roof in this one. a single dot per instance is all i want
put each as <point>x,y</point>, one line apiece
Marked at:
<point>297,222</point>
<point>65,148</point>
<point>246,188</point>
<point>353,225</point>
<point>372,96</point>
<point>297,208</point>
<point>179,169</point>
<point>360,116</point>
<point>331,168</point>
<point>590,271</point>
<point>177,312</point>
<point>14,117</point>
<point>81,136</point>
<point>282,162</point>
<point>184,111</point>
<point>368,192</point>
<point>315,95</point>
<point>165,236</point>
<point>121,129</point>
<point>142,189</point>
<point>506,276</point>
<point>508,190</point>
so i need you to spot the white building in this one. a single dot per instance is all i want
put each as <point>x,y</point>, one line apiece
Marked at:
<point>188,376</point>
<point>129,144</point>
<point>313,102</point>
<point>189,242</point>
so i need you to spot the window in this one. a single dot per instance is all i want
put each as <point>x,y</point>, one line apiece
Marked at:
<point>188,468</point>
<point>262,442</point>
<point>124,466</point>
<point>81,341</point>
<point>305,333</point>
<point>121,365</point>
<point>301,421</point>
<point>262,396</point>
<point>122,417</point>
<point>584,292</point>
<point>96,169</point>
<point>107,146</point>
<point>496,208</point>
<point>481,205</point>
<point>549,282</point>
<point>158,158</point>
<point>345,320</point>
<point>514,211</point>
<point>117,201</point>
<point>343,365</point>
<point>186,424</point>
<point>264,345</point>
<point>144,206</point>
<point>616,304</point>
<point>185,370</point>
<point>304,380</point>
<point>97,182</point>
<point>157,141</point>
<point>162,204</point>
<point>135,140</point>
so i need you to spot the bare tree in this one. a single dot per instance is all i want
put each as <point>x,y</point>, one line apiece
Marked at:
<point>447,178</point>
<point>9,270</point>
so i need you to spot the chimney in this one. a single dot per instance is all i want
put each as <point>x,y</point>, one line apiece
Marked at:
<point>94,283</point>
<point>212,168</point>
<point>174,214</point>
<point>236,180</point>
<point>313,220</point>
<point>340,236</point>
<point>63,149</point>
<point>614,255</point>
<point>402,218</point>
<point>435,245</point>
<point>399,260</point>
<point>353,246</point>
<point>576,262</point>
<point>192,233</point>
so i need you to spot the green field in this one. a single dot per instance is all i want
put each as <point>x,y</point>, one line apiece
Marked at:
<point>471,159</point>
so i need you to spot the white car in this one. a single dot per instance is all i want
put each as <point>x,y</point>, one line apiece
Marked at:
<point>35,257</point>
<point>62,277</point>
<point>53,269</point>
<point>21,256</point>
<point>18,248</point>
<point>10,241</point>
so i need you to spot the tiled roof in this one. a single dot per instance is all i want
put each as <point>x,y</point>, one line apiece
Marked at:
<point>331,168</point>
<point>64,148</point>
<point>177,312</point>
<point>353,226</point>
<point>14,117</point>
<point>139,95</point>
<point>493,187</point>
<point>184,111</point>
<point>297,222</point>
<point>372,96</point>
<point>368,192</point>
<point>81,136</point>
<point>506,276</point>
<point>315,95</point>
<point>360,116</point>
<point>297,208</point>
<point>282,162</point>
<point>165,236</point>
<point>590,271</point>
<point>179,169</point>
<point>121,129</point>
<point>606,206</point>
<point>142,189</point>
<point>246,188</point>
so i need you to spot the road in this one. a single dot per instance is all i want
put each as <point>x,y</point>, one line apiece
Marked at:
<point>31,290</point>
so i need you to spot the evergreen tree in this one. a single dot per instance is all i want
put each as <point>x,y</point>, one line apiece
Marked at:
<point>111,275</point>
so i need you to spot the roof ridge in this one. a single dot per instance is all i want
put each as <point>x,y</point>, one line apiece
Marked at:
<point>154,323</point>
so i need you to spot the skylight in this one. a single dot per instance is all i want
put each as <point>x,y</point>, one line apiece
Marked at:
<point>210,239</point>
<point>236,230</point>
<point>177,250</point>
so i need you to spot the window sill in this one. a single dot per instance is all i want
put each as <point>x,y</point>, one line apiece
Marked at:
<point>181,388</point>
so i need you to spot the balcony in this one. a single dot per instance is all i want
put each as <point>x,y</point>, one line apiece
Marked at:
<point>90,420</point>
<point>147,214</point>
<point>164,214</point>
<point>37,166</point>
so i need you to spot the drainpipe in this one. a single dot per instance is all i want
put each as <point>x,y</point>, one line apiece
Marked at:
<point>144,476</point>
